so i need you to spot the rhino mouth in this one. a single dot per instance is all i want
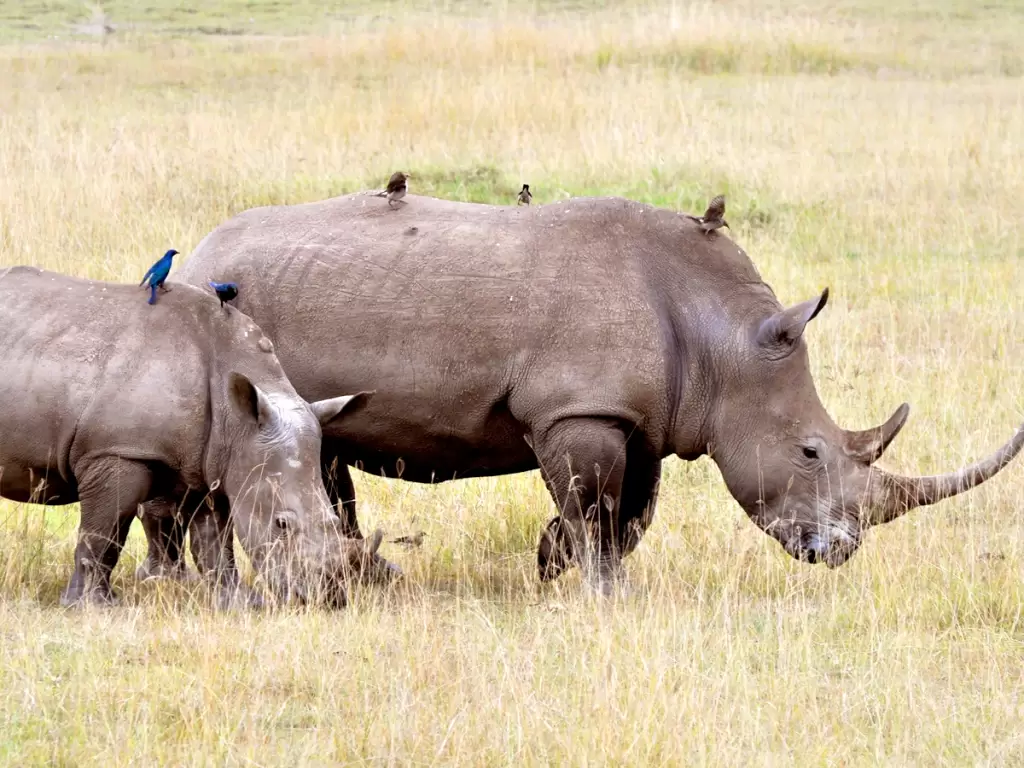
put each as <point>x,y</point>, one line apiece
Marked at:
<point>293,582</point>
<point>319,592</point>
<point>812,552</point>
<point>330,594</point>
<point>822,542</point>
<point>297,573</point>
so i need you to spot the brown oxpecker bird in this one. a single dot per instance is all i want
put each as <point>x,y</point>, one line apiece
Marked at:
<point>714,216</point>
<point>398,185</point>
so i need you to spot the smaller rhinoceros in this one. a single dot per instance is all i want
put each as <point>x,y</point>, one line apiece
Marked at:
<point>112,402</point>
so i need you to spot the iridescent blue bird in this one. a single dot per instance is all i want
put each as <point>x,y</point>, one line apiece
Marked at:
<point>224,291</point>
<point>157,274</point>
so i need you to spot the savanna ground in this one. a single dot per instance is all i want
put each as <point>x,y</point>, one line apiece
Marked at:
<point>874,147</point>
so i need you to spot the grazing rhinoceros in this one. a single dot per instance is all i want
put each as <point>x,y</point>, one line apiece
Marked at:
<point>107,400</point>
<point>590,338</point>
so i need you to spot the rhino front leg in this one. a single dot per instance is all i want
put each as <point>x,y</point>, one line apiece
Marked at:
<point>110,491</point>
<point>165,521</point>
<point>338,482</point>
<point>583,462</point>
<point>636,511</point>
<point>212,543</point>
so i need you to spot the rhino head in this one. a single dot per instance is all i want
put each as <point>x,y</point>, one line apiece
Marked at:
<point>279,507</point>
<point>802,479</point>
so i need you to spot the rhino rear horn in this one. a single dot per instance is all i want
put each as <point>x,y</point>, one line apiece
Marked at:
<point>779,333</point>
<point>868,445</point>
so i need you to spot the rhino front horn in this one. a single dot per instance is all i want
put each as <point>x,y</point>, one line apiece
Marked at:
<point>891,496</point>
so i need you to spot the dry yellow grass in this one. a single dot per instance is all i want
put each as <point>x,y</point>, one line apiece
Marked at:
<point>872,147</point>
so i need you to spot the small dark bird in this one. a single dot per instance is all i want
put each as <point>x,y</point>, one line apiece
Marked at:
<point>397,187</point>
<point>224,291</point>
<point>991,556</point>
<point>714,216</point>
<point>524,195</point>
<point>415,540</point>
<point>157,274</point>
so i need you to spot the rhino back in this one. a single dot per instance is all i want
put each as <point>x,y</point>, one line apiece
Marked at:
<point>472,319</point>
<point>90,368</point>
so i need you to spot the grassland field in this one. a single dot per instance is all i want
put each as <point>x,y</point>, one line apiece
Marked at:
<point>872,147</point>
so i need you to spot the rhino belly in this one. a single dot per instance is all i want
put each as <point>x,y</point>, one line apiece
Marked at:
<point>32,424</point>
<point>34,484</point>
<point>433,444</point>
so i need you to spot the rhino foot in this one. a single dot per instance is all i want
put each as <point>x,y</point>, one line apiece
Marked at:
<point>89,585</point>
<point>607,587</point>
<point>97,596</point>
<point>604,577</point>
<point>151,569</point>
<point>238,597</point>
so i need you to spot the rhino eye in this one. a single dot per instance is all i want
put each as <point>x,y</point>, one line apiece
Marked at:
<point>810,453</point>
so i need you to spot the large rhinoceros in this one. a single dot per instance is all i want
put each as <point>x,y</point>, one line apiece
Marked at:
<point>107,400</point>
<point>590,338</point>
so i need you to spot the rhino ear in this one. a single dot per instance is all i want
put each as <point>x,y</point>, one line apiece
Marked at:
<point>249,401</point>
<point>328,410</point>
<point>780,332</point>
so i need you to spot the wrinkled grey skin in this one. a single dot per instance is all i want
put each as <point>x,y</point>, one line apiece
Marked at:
<point>112,402</point>
<point>591,338</point>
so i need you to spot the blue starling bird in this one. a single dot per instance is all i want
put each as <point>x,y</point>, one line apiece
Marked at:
<point>157,274</point>
<point>224,291</point>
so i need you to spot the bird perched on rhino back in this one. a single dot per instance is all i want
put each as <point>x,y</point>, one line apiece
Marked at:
<point>225,291</point>
<point>398,185</point>
<point>714,216</point>
<point>524,195</point>
<point>157,274</point>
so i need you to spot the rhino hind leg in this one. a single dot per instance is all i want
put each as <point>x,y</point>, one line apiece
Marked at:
<point>583,462</point>
<point>164,520</point>
<point>110,491</point>
<point>554,553</point>
<point>639,497</point>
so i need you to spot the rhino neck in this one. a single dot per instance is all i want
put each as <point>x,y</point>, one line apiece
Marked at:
<point>687,387</point>
<point>710,340</point>
<point>236,345</point>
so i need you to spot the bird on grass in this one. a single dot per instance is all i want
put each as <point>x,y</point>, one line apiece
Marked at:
<point>157,274</point>
<point>224,291</point>
<point>714,216</point>
<point>415,540</point>
<point>397,187</point>
<point>524,195</point>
